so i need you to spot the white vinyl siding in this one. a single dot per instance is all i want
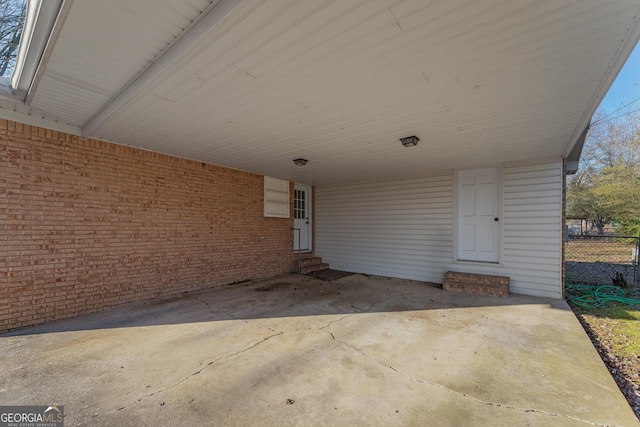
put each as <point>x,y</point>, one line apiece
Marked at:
<point>405,228</point>
<point>532,204</point>
<point>399,228</point>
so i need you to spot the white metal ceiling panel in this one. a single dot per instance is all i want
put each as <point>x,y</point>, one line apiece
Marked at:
<point>338,82</point>
<point>105,44</point>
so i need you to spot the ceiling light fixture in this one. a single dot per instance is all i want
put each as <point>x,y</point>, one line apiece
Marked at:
<point>300,162</point>
<point>410,141</point>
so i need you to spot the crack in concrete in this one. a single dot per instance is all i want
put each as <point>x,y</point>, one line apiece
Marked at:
<point>350,315</point>
<point>334,321</point>
<point>399,372</point>
<point>395,19</point>
<point>378,303</point>
<point>201,370</point>
<point>205,303</point>
<point>465,395</point>
<point>223,309</point>
<point>230,314</point>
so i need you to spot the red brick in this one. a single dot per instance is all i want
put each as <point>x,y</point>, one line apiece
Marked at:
<point>477,284</point>
<point>89,225</point>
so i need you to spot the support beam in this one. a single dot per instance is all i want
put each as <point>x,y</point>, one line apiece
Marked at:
<point>208,21</point>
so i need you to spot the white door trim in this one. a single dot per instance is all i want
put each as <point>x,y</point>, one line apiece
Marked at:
<point>498,212</point>
<point>304,224</point>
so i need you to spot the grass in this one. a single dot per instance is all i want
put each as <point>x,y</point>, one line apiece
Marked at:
<point>614,329</point>
<point>615,333</point>
<point>620,325</point>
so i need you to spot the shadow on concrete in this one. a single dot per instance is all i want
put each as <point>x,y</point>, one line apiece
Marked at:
<point>297,350</point>
<point>281,297</point>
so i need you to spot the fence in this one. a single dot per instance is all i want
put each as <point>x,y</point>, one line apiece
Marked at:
<point>602,260</point>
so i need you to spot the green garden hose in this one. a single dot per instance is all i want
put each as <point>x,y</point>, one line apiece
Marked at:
<point>587,296</point>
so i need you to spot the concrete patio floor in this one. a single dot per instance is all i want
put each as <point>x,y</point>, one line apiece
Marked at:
<point>296,350</point>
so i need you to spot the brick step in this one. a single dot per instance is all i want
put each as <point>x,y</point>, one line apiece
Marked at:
<point>309,264</point>
<point>478,284</point>
<point>309,260</point>
<point>315,267</point>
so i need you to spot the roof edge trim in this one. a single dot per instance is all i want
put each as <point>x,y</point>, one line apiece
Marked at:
<point>54,32</point>
<point>31,120</point>
<point>626,47</point>
<point>41,17</point>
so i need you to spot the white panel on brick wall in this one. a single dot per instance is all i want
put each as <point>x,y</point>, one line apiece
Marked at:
<point>276,198</point>
<point>404,228</point>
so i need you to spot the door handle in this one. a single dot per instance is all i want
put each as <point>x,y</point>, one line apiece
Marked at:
<point>496,219</point>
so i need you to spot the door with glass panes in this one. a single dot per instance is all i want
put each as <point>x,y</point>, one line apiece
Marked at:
<point>302,218</point>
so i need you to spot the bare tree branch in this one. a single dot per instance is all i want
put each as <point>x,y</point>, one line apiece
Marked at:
<point>607,186</point>
<point>11,24</point>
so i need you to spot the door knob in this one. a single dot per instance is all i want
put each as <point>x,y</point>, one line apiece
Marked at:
<point>495,219</point>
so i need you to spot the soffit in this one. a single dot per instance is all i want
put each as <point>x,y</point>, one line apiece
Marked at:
<point>339,82</point>
<point>104,45</point>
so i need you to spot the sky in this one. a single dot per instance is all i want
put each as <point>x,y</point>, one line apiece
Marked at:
<point>626,87</point>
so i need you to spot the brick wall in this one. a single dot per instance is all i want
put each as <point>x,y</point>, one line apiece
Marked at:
<point>86,225</point>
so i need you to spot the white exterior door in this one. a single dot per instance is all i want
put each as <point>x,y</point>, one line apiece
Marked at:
<point>302,218</point>
<point>478,214</point>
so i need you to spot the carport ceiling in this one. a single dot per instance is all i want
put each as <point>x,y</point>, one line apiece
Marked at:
<point>253,84</point>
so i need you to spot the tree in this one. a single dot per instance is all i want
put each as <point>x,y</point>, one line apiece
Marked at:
<point>607,187</point>
<point>11,23</point>
<point>619,190</point>
<point>584,202</point>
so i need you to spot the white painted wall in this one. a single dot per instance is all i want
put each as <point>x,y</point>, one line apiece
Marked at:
<point>405,228</point>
